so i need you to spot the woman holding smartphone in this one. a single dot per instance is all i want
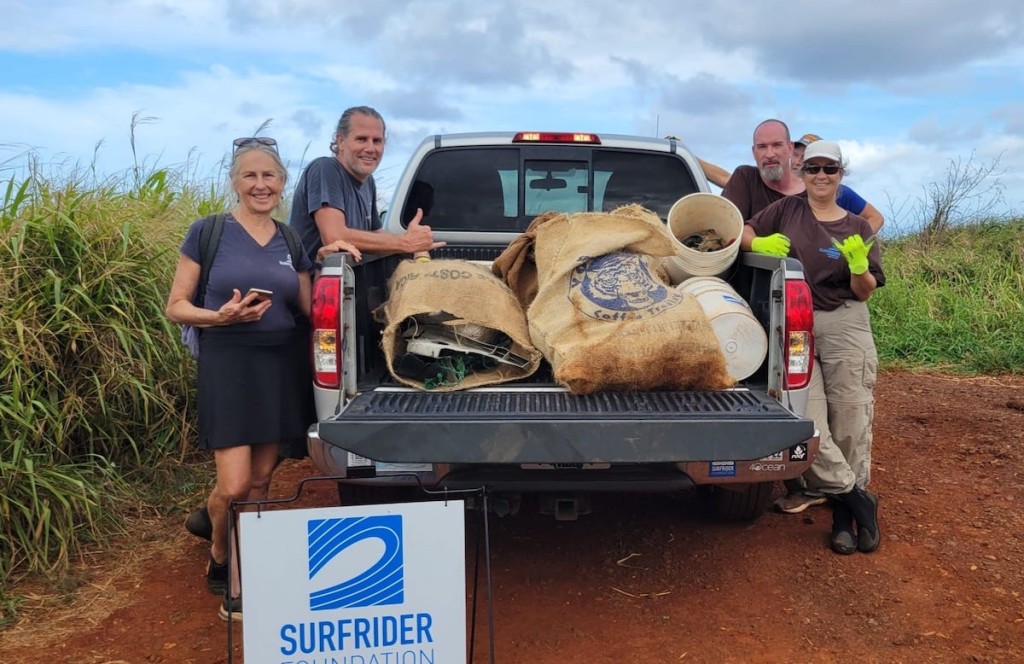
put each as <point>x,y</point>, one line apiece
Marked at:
<point>254,383</point>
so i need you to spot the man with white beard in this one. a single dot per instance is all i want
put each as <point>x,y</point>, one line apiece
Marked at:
<point>752,188</point>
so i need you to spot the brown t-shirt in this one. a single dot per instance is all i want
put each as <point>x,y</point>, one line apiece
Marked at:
<point>826,271</point>
<point>749,192</point>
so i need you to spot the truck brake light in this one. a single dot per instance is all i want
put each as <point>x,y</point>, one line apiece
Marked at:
<point>799,338</point>
<point>326,337</point>
<point>555,137</point>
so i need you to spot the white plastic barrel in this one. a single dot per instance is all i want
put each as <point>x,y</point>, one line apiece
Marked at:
<point>740,335</point>
<point>695,213</point>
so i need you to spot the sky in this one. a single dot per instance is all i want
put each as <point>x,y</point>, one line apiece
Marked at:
<point>912,90</point>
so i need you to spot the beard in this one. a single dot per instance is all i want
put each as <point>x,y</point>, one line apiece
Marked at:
<point>772,173</point>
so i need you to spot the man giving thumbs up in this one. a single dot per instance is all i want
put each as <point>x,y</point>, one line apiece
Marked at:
<point>335,201</point>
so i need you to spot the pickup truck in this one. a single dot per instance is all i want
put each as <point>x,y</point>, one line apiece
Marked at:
<point>532,437</point>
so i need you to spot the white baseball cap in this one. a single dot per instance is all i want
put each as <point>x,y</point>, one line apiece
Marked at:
<point>826,149</point>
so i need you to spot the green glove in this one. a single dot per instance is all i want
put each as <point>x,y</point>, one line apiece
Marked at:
<point>776,244</point>
<point>855,251</point>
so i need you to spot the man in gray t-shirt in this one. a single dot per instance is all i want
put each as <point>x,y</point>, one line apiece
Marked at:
<point>335,200</point>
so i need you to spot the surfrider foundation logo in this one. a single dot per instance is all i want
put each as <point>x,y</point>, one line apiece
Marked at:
<point>619,286</point>
<point>381,583</point>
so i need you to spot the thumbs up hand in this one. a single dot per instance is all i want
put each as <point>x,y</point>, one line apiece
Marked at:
<point>855,250</point>
<point>419,237</point>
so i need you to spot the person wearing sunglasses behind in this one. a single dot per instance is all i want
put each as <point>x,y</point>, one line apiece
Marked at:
<point>335,200</point>
<point>843,267</point>
<point>254,384</point>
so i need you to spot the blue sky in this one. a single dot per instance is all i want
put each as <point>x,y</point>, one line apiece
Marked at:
<point>906,87</point>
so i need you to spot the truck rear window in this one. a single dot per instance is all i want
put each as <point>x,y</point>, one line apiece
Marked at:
<point>503,189</point>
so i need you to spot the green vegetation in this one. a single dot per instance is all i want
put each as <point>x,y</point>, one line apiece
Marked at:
<point>953,301</point>
<point>96,413</point>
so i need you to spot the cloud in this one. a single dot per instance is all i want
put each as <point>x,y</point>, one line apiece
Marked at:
<point>1012,118</point>
<point>931,130</point>
<point>863,42</point>
<point>422,104</point>
<point>487,46</point>
<point>705,94</point>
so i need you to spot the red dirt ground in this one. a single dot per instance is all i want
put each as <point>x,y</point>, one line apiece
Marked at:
<point>648,579</point>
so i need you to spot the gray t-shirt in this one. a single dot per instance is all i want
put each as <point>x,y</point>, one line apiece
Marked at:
<point>325,183</point>
<point>240,262</point>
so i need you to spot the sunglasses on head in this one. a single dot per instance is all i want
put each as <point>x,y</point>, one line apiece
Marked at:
<point>812,169</point>
<point>255,140</point>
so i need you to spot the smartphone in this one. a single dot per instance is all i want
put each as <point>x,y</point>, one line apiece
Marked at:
<point>261,294</point>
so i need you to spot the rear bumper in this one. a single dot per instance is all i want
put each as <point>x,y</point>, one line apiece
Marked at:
<point>783,465</point>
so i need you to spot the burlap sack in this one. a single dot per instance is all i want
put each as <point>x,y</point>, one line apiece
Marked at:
<point>516,267</point>
<point>604,315</point>
<point>459,295</point>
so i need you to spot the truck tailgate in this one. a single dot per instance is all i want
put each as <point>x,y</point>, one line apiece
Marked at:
<point>552,426</point>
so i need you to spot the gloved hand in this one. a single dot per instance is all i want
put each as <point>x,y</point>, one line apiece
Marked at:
<point>776,244</point>
<point>855,250</point>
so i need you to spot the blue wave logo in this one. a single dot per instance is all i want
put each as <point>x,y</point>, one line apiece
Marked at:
<point>382,583</point>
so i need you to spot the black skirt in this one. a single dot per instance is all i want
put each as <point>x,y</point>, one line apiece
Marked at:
<point>255,388</point>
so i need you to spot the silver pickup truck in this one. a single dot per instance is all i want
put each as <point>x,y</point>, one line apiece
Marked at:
<point>479,191</point>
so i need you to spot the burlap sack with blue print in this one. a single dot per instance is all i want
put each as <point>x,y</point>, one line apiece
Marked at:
<point>605,316</point>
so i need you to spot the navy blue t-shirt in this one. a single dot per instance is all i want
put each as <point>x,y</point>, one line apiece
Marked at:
<point>240,262</point>
<point>325,183</point>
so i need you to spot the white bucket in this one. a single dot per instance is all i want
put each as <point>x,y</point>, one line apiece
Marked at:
<point>741,337</point>
<point>695,213</point>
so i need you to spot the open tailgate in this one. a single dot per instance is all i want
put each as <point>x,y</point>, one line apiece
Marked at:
<point>496,425</point>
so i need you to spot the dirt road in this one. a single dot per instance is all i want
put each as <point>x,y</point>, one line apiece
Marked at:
<point>648,579</point>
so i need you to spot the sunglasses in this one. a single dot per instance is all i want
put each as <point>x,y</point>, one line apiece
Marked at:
<point>255,140</point>
<point>812,169</point>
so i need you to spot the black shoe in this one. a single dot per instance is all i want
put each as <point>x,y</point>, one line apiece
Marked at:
<point>231,609</point>
<point>217,576</point>
<point>198,523</point>
<point>864,507</point>
<point>843,540</point>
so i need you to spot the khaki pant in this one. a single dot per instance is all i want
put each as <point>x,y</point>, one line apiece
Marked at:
<point>841,400</point>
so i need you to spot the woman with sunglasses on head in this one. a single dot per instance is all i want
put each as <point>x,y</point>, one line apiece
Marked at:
<point>843,267</point>
<point>254,385</point>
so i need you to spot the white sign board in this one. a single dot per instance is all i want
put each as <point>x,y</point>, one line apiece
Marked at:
<point>371,584</point>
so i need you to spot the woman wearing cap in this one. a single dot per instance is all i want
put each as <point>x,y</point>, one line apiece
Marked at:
<point>254,398</point>
<point>847,198</point>
<point>842,270</point>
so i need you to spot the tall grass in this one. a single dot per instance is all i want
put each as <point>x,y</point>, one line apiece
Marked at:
<point>953,300</point>
<point>96,383</point>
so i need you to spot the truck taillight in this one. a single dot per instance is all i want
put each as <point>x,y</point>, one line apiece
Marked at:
<point>555,137</point>
<point>326,320</point>
<point>799,338</point>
